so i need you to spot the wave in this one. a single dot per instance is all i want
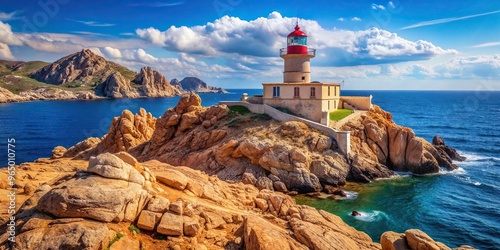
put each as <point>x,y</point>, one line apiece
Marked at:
<point>472,157</point>
<point>372,216</point>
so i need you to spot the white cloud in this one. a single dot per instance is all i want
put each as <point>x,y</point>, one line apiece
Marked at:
<point>93,23</point>
<point>263,37</point>
<point>378,6</point>
<point>4,16</point>
<point>391,4</point>
<point>490,44</point>
<point>112,52</point>
<point>357,19</point>
<point>5,52</point>
<point>7,36</point>
<point>341,19</point>
<point>447,20</point>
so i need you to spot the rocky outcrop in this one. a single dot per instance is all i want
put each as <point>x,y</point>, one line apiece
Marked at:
<point>413,239</point>
<point>377,141</point>
<point>53,93</point>
<point>85,67</point>
<point>444,150</point>
<point>193,84</point>
<point>117,86</point>
<point>254,149</point>
<point>7,96</point>
<point>101,203</point>
<point>154,84</point>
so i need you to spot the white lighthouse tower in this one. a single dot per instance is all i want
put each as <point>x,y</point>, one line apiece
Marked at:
<point>297,57</point>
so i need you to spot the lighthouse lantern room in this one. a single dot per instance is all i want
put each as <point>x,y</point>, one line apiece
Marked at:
<point>297,57</point>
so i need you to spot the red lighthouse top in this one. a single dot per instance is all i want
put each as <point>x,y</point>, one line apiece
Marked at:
<point>297,32</point>
<point>297,42</point>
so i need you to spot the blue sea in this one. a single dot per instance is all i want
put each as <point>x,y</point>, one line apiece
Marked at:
<point>458,207</point>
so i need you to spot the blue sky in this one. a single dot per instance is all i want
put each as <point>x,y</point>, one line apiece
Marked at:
<point>234,43</point>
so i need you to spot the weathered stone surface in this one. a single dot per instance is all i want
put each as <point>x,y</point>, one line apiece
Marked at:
<point>110,166</point>
<point>154,84</point>
<point>171,225</point>
<point>417,239</point>
<point>261,203</point>
<point>248,178</point>
<point>191,227</point>
<point>393,241</point>
<point>73,235</point>
<point>262,235</point>
<point>126,242</point>
<point>173,179</point>
<point>264,183</point>
<point>58,152</point>
<point>158,204</point>
<point>82,147</point>
<point>176,207</point>
<point>280,186</point>
<point>117,86</point>
<point>148,220</point>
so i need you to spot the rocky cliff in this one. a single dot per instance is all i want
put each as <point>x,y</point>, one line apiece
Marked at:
<point>154,84</point>
<point>193,84</point>
<point>113,201</point>
<point>237,145</point>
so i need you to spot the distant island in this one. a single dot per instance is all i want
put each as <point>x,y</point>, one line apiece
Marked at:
<point>87,76</point>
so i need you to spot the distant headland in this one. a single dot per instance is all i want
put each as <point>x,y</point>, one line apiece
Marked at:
<point>87,76</point>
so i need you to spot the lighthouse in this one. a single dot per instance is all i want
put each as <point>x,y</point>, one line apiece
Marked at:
<point>297,57</point>
<point>297,94</point>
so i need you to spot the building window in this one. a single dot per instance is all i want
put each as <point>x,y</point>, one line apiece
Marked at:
<point>328,105</point>
<point>313,92</point>
<point>303,78</point>
<point>335,89</point>
<point>334,104</point>
<point>328,94</point>
<point>296,92</point>
<point>276,91</point>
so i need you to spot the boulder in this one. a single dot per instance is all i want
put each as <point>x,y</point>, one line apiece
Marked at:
<point>64,234</point>
<point>393,241</point>
<point>248,178</point>
<point>170,225</point>
<point>148,220</point>
<point>176,207</point>
<point>417,239</point>
<point>264,183</point>
<point>110,166</point>
<point>191,227</point>
<point>58,152</point>
<point>158,204</point>
<point>96,198</point>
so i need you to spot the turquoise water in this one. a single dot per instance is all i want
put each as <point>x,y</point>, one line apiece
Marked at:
<point>460,207</point>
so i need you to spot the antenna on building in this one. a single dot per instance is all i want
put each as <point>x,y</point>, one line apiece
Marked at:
<point>342,83</point>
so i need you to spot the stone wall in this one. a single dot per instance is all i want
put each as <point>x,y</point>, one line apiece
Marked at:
<point>360,102</point>
<point>343,138</point>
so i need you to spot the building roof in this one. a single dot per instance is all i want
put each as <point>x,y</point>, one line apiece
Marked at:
<point>297,32</point>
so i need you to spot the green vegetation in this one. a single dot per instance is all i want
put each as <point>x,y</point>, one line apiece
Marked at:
<point>117,237</point>
<point>133,228</point>
<point>17,84</point>
<point>340,114</point>
<point>261,117</point>
<point>237,110</point>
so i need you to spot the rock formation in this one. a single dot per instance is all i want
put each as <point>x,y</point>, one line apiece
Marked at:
<point>377,141</point>
<point>117,86</point>
<point>7,96</point>
<point>114,201</point>
<point>254,149</point>
<point>413,239</point>
<point>444,150</point>
<point>154,84</point>
<point>85,67</point>
<point>193,84</point>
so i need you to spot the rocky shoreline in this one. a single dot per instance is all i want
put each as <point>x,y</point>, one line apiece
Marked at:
<point>209,178</point>
<point>87,76</point>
